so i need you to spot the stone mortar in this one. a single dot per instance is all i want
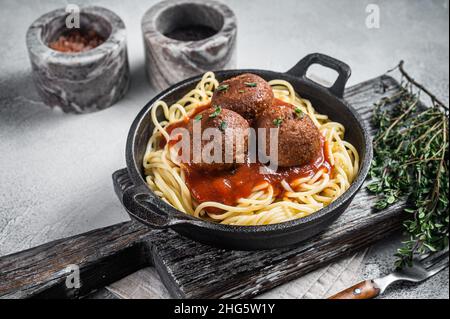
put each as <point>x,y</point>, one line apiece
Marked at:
<point>169,61</point>
<point>81,82</point>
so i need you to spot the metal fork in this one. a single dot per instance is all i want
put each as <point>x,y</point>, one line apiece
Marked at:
<point>421,269</point>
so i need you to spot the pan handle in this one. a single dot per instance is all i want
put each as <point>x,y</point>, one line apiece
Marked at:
<point>344,71</point>
<point>137,201</point>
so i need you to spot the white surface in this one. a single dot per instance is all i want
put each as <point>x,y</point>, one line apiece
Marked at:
<point>55,169</point>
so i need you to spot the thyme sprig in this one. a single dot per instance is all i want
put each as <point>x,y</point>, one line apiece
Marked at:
<point>411,162</point>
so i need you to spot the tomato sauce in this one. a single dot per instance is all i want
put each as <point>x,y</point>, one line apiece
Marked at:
<point>227,187</point>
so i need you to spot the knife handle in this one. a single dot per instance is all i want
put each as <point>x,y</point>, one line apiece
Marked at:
<point>364,290</point>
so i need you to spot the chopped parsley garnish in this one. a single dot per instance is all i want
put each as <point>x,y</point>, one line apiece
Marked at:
<point>216,112</point>
<point>277,122</point>
<point>251,84</point>
<point>223,126</point>
<point>198,117</point>
<point>223,87</point>
<point>241,91</point>
<point>299,112</point>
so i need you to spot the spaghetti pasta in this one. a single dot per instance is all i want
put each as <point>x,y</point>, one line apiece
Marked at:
<point>166,176</point>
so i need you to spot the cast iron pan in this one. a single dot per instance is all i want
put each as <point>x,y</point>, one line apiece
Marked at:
<point>143,205</point>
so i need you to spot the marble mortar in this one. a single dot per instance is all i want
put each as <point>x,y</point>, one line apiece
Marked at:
<point>169,60</point>
<point>81,82</point>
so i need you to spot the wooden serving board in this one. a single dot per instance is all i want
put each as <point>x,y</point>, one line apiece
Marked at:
<point>192,270</point>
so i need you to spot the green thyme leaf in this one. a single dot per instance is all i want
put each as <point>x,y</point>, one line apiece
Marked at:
<point>277,122</point>
<point>217,111</point>
<point>299,112</point>
<point>223,126</point>
<point>223,87</point>
<point>251,84</point>
<point>198,117</point>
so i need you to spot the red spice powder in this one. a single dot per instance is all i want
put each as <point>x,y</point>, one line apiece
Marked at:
<point>75,41</point>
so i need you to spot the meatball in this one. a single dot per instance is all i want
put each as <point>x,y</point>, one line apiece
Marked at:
<point>233,131</point>
<point>246,94</point>
<point>299,140</point>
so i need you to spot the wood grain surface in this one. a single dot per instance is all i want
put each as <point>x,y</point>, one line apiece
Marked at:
<point>364,290</point>
<point>189,269</point>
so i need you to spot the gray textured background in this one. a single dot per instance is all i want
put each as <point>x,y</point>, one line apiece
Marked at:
<point>55,169</point>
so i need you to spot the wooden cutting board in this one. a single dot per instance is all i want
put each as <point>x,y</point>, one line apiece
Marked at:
<point>192,270</point>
